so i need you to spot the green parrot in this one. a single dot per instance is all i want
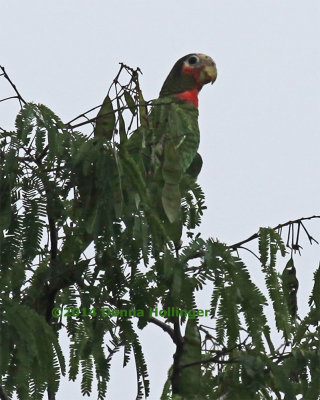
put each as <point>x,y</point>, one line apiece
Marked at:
<point>166,148</point>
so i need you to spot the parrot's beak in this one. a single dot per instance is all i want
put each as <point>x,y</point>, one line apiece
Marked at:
<point>209,70</point>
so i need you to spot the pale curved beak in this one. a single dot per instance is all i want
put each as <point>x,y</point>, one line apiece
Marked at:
<point>209,71</point>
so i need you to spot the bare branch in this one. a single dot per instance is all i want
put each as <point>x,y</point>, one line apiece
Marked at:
<point>91,120</point>
<point>6,76</point>
<point>278,227</point>
<point>9,98</point>
<point>214,359</point>
<point>134,78</point>
<point>250,251</point>
<point>83,115</point>
<point>311,239</point>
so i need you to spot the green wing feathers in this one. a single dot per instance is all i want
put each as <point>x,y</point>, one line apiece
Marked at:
<point>167,148</point>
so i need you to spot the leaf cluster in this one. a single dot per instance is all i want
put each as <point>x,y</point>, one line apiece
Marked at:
<point>83,228</point>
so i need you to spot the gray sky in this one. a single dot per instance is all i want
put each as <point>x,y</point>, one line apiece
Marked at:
<point>259,122</point>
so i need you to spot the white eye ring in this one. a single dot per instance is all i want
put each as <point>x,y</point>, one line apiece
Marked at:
<point>193,60</point>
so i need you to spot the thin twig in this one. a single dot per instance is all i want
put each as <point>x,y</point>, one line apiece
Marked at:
<point>238,245</point>
<point>83,115</point>
<point>89,121</point>
<point>21,100</point>
<point>131,71</point>
<point>8,98</point>
<point>288,223</point>
<point>311,239</point>
<point>250,251</point>
<point>210,360</point>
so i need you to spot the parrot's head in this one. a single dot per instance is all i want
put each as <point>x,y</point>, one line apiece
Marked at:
<point>188,76</point>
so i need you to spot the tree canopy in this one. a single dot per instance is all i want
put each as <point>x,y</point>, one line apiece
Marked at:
<point>85,247</point>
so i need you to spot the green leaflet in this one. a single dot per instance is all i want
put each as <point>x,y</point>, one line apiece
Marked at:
<point>177,282</point>
<point>171,201</point>
<point>280,378</point>
<point>290,286</point>
<point>105,122</point>
<point>313,316</point>
<point>118,193</point>
<point>122,127</point>
<point>315,295</point>
<point>5,203</point>
<point>33,351</point>
<point>230,312</point>
<point>87,376</point>
<point>25,122</point>
<point>165,395</point>
<point>130,102</point>
<point>252,371</point>
<point>234,293</point>
<point>143,110</point>
<point>129,337</point>
<point>48,121</point>
<point>270,243</point>
<point>108,197</point>
<point>189,381</point>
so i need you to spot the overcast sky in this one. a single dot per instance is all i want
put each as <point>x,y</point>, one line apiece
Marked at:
<point>259,122</point>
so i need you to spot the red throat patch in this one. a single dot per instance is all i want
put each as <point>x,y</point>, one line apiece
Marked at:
<point>190,96</point>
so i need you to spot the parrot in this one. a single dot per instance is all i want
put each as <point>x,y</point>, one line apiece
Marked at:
<point>169,144</point>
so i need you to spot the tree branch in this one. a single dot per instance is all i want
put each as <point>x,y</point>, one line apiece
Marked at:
<point>295,246</point>
<point>214,359</point>
<point>9,98</point>
<point>6,76</point>
<point>219,353</point>
<point>164,327</point>
<point>94,119</point>
<point>280,226</point>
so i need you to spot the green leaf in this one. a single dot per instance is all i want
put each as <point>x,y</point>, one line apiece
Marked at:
<point>25,122</point>
<point>189,382</point>
<point>130,102</point>
<point>171,201</point>
<point>105,122</point>
<point>315,295</point>
<point>269,244</point>
<point>143,110</point>
<point>165,395</point>
<point>5,203</point>
<point>290,286</point>
<point>122,127</point>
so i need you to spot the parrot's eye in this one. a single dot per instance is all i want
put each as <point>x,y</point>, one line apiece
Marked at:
<point>193,60</point>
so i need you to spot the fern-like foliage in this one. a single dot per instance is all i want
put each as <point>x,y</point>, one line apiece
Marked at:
<point>86,247</point>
